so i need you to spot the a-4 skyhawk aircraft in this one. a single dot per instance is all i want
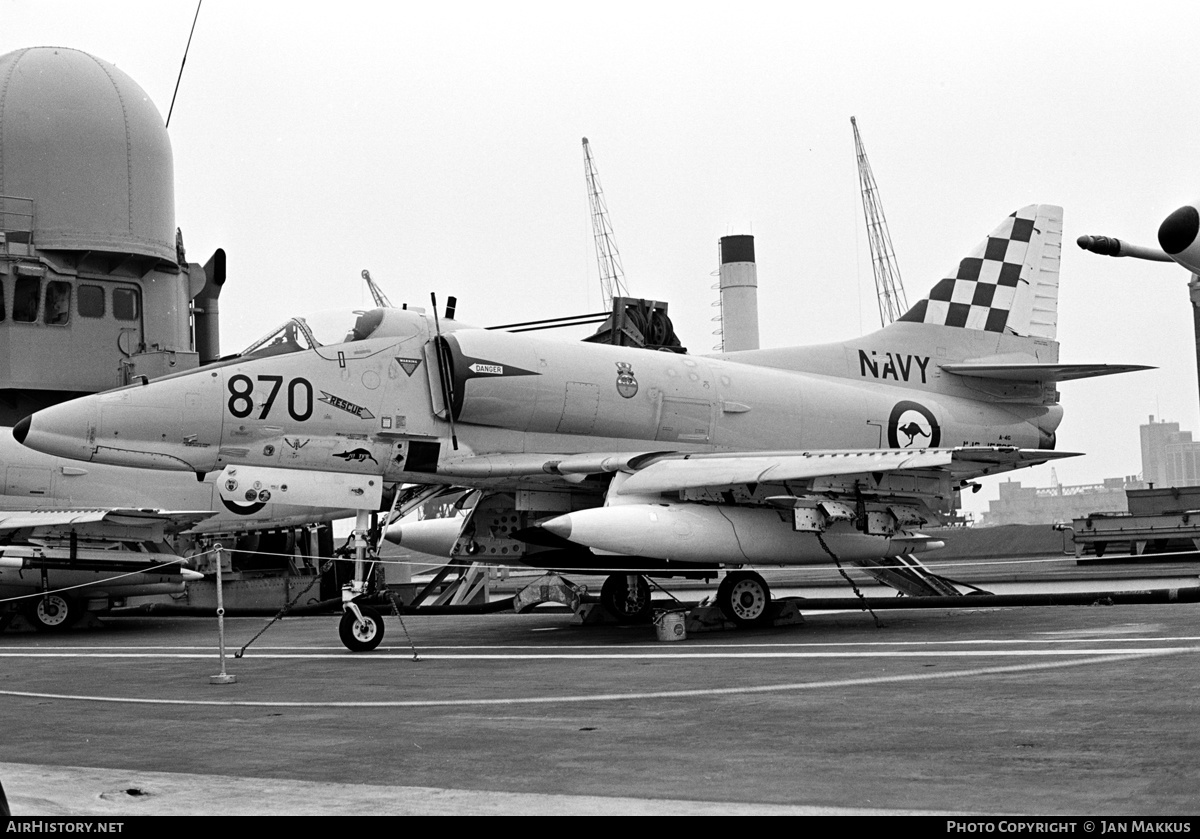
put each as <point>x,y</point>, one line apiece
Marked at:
<point>604,459</point>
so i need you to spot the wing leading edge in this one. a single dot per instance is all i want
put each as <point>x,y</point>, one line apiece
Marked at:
<point>135,523</point>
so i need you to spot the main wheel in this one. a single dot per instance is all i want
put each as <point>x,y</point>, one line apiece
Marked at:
<point>361,635</point>
<point>53,613</point>
<point>744,597</point>
<point>630,606</point>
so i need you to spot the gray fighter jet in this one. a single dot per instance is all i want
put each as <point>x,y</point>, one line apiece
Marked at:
<point>593,458</point>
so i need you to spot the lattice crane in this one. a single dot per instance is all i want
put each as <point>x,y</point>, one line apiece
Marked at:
<point>612,275</point>
<point>888,286</point>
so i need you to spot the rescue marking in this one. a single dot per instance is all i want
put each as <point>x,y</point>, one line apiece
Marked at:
<point>345,405</point>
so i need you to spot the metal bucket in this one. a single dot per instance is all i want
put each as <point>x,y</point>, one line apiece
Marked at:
<point>671,626</point>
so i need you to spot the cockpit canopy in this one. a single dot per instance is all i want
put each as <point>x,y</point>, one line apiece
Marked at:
<point>318,330</point>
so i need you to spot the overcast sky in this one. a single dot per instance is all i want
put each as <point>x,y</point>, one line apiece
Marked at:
<point>438,145</point>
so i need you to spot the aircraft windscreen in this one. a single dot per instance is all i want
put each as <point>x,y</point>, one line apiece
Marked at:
<point>317,330</point>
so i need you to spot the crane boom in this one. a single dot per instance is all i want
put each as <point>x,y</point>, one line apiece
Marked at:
<point>888,286</point>
<point>612,275</point>
<point>376,292</point>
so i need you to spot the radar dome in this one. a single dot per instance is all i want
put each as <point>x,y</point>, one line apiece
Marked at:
<point>84,141</point>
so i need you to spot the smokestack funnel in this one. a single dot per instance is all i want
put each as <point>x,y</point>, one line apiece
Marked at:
<point>739,294</point>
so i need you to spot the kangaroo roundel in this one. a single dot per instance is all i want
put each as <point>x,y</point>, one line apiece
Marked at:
<point>912,426</point>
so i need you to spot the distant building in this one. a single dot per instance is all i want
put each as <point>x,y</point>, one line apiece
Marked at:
<point>1046,505</point>
<point>1170,458</point>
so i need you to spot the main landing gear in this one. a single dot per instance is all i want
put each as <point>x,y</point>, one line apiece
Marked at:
<point>626,597</point>
<point>743,598</point>
<point>53,612</point>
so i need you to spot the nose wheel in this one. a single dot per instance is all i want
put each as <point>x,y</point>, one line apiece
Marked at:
<point>361,628</point>
<point>744,597</point>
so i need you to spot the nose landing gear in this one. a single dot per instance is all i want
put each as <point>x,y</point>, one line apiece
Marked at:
<point>361,628</point>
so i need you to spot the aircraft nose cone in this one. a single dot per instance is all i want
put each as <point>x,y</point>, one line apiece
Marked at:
<point>21,430</point>
<point>1179,230</point>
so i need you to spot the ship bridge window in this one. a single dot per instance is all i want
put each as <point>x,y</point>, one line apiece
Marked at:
<point>90,301</point>
<point>125,303</point>
<point>25,299</point>
<point>58,302</point>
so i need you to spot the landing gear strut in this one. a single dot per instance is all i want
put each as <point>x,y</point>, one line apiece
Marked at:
<point>744,597</point>
<point>627,597</point>
<point>361,627</point>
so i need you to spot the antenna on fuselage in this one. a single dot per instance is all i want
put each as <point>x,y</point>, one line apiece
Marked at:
<point>443,372</point>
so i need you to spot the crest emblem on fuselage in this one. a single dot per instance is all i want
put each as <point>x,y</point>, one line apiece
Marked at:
<point>627,384</point>
<point>913,426</point>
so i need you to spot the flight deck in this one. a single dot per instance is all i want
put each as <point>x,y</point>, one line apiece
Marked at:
<point>1055,710</point>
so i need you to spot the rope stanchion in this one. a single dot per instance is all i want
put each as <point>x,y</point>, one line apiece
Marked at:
<point>221,678</point>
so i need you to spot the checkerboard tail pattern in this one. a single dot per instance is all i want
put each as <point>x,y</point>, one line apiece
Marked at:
<point>1008,284</point>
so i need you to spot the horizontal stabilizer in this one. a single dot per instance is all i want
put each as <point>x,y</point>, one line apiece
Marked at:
<point>1033,372</point>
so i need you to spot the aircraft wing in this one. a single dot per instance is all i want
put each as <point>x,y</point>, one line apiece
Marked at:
<point>656,472</point>
<point>127,523</point>
<point>680,472</point>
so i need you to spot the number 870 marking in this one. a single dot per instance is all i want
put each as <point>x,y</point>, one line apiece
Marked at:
<point>241,405</point>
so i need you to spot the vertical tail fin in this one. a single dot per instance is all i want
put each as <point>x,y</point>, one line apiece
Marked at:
<point>1007,284</point>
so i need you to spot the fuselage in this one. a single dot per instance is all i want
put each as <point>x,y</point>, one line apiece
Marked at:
<point>380,406</point>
